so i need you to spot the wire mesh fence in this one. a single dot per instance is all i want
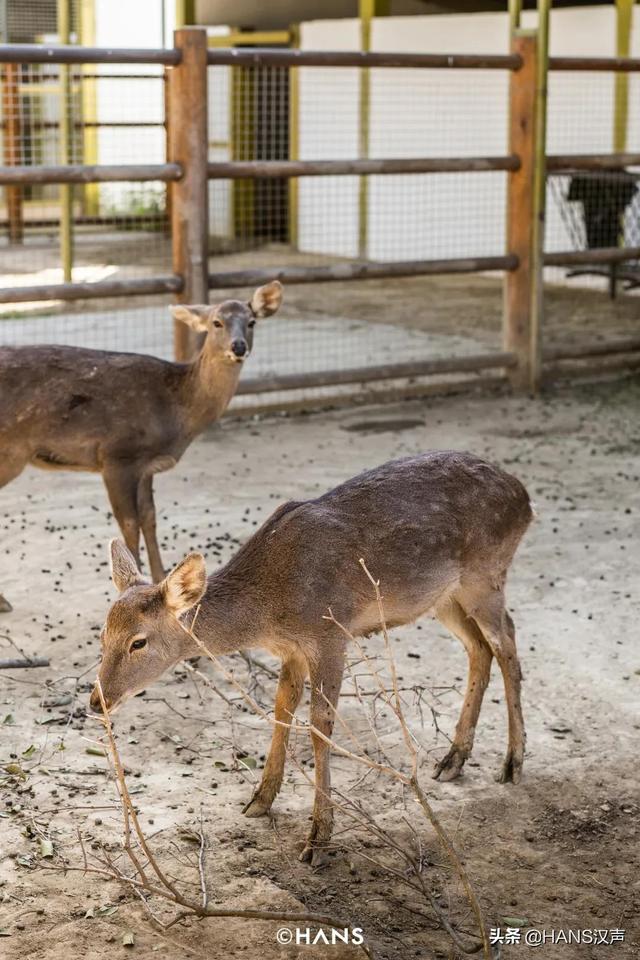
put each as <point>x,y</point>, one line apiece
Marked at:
<point>272,113</point>
<point>265,114</point>
<point>57,115</point>
<point>593,209</point>
<point>317,113</point>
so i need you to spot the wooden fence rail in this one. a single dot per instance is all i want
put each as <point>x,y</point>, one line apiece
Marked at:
<point>46,53</point>
<point>360,270</point>
<point>249,169</point>
<point>100,173</point>
<point>265,57</point>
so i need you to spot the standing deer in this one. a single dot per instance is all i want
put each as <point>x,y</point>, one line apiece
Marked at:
<point>438,530</point>
<point>124,415</point>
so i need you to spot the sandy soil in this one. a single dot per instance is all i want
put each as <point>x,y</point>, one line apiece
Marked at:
<point>559,851</point>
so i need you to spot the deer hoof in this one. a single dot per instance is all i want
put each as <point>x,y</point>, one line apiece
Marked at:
<point>314,855</point>
<point>256,807</point>
<point>511,770</point>
<point>450,766</point>
<point>5,606</point>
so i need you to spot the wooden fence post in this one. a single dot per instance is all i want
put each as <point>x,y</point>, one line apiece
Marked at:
<point>188,145</point>
<point>521,329</point>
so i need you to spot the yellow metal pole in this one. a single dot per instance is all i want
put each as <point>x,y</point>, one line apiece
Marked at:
<point>89,102</point>
<point>66,189</point>
<point>539,195</point>
<point>185,13</point>
<point>294,137</point>
<point>515,12</point>
<point>624,14</point>
<point>366,9</point>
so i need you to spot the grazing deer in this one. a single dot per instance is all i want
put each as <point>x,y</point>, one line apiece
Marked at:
<point>124,415</point>
<point>438,530</point>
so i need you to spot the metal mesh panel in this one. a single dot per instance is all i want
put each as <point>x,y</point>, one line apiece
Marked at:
<point>27,20</point>
<point>317,113</point>
<point>590,210</point>
<point>93,114</point>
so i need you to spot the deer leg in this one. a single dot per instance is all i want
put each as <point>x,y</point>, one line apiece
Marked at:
<point>290,687</point>
<point>499,632</point>
<point>453,617</point>
<point>326,680</point>
<point>10,468</point>
<point>147,514</point>
<point>122,489</point>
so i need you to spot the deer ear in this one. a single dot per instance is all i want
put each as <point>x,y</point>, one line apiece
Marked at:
<point>185,585</point>
<point>266,300</point>
<point>124,570</point>
<point>194,316</point>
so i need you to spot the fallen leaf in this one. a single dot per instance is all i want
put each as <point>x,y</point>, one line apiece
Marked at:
<point>60,701</point>
<point>9,720</point>
<point>15,770</point>
<point>46,848</point>
<point>515,921</point>
<point>106,911</point>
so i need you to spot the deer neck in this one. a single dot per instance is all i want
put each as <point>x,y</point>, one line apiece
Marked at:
<point>226,620</point>
<point>212,382</point>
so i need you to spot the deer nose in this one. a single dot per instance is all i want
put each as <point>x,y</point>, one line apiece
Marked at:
<point>239,347</point>
<point>94,701</point>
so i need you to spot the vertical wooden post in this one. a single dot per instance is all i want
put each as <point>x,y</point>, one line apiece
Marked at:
<point>188,146</point>
<point>12,151</point>
<point>520,329</point>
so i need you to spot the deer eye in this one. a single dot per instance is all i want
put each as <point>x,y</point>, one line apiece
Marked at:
<point>251,323</point>
<point>218,323</point>
<point>138,643</point>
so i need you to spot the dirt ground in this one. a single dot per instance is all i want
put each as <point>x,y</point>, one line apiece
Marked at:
<point>558,852</point>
